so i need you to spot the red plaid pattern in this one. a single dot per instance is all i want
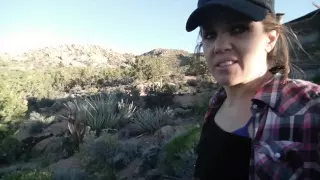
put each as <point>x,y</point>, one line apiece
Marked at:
<point>286,129</point>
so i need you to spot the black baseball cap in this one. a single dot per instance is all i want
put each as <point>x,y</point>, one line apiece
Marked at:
<point>254,9</point>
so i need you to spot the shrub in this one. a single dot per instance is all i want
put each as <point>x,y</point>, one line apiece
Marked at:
<point>202,107</point>
<point>37,122</point>
<point>28,175</point>
<point>153,119</point>
<point>178,154</point>
<point>10,149</point>
<point>197,67</point>
<point>97,154</point>
<point>12,105</point>
<point>152,68</point>
<point>17,85</point>
<point>106,155</point>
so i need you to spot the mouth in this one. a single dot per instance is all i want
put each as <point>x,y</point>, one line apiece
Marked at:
<point>226,63</point>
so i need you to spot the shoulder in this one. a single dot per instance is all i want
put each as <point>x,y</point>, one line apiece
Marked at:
<point>299,97</point>
<point>217,98</point>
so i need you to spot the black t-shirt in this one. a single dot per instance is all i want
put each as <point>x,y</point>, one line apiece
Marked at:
<point>222,155</point>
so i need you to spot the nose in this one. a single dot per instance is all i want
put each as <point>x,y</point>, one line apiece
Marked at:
<point>222,43</point>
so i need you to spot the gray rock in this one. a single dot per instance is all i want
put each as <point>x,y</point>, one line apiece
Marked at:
<point>164,133</point>
<point>58,129</point>
<point>69,174</point>
<point>130,130</point>
<point>70,163</point>
<point>153,174</point>
<point>49,145</point>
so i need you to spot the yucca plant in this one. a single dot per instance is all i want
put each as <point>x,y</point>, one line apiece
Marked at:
<point>126,111</point>
<point>153,119</point>
<point>101,112</point>
<point>76,120</point>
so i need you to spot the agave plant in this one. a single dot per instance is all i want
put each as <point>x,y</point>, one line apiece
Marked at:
<point>153,119</point>
<point>100,112</point>
<point>76,121</point>
<point>126,111</point>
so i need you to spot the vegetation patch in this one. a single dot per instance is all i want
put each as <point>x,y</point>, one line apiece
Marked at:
<point>28,175</point>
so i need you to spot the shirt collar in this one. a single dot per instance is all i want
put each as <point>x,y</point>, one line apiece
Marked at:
<point>268,94</point>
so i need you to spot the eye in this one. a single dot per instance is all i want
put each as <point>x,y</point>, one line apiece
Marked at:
<point>239,29</point>
<point>209,35</point>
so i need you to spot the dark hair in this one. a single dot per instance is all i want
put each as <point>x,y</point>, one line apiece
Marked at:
<point>279,58</point>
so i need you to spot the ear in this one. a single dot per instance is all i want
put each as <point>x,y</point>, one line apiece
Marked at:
<point>272,40</point>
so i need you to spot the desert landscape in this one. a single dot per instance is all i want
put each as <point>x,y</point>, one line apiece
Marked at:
<point>81,112</point>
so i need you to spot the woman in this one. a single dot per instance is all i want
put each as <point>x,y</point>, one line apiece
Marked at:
<point>260,124</point>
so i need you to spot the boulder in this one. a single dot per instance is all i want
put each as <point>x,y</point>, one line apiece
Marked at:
<point>49,145</point>
<point>70,163</point>
<point>56,129</point>
<point>130,130</point>
<point>164,133</point>
<point>153,174</point>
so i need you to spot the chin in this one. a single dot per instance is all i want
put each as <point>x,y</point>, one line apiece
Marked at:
<point>227,81</point>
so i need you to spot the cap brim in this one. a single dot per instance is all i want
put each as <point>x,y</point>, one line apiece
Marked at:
<point>253,11</point>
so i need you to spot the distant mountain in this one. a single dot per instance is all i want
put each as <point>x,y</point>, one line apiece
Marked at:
<point>160,52</point>
<point>79,56</point>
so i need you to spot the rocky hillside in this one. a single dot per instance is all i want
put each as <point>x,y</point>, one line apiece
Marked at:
<point>77,56</point>
<point>122,140</point>
<point>166,53</point>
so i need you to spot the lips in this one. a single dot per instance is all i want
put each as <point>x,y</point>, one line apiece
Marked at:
<point>223,63</point>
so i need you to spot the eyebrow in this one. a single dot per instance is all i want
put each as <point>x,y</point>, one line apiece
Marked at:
<point>209,26</point>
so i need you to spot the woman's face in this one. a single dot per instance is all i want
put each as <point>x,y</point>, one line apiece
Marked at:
<point>236,48</point>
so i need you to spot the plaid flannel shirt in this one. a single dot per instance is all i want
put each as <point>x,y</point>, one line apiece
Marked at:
<point>286,129</point>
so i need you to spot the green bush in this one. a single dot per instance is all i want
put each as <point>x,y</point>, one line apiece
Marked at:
<point>12,105</point>
<point>10,150</point>
<point>28,175</point>
<point>97,155</point>
<point>16,85</point>
<point>153,68</point>
<point>153,119</point>
<point>106,152</point>
<point>180,143</point>
<point>178,154</point>
<point>197,67</point>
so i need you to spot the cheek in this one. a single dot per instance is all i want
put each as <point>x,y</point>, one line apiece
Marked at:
<point>252,50</point>
<point>207,51</point>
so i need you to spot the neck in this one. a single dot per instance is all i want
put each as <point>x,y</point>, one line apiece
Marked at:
<point>243,93</point>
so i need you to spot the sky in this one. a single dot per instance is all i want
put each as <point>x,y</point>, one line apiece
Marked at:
<point>132,26</point>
